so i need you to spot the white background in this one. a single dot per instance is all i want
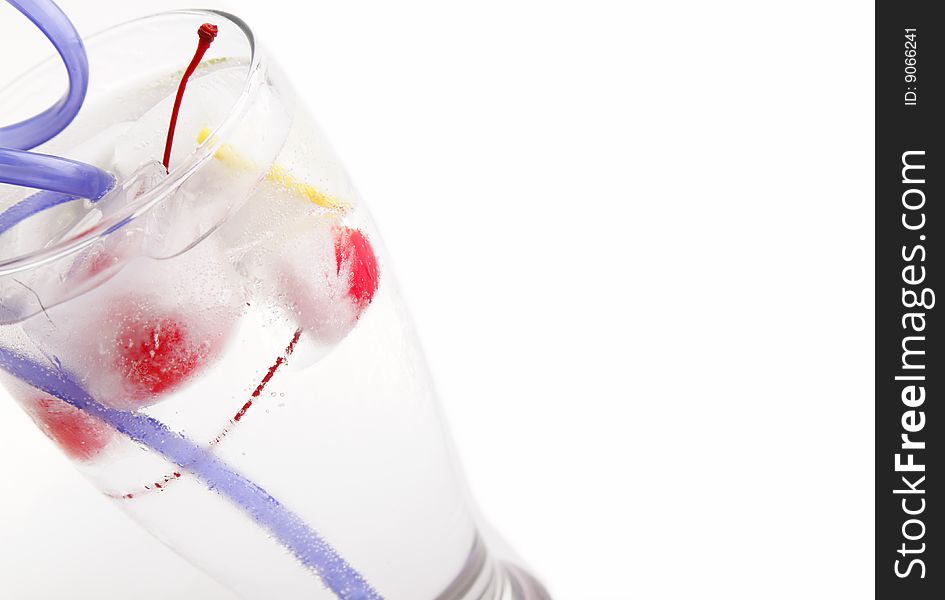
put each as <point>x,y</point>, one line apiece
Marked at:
<point>637,241</point>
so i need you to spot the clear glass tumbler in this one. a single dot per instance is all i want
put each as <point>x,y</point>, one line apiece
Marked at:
<point>222,349</point>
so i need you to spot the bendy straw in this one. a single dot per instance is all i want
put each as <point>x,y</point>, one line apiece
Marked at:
<point>63,179</point>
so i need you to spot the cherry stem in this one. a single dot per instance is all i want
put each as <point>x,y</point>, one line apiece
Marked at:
<point>206,33</point>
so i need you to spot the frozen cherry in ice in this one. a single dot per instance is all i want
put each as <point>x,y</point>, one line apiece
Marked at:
<point>80,435</point>
<point>156,354</point>
<point>355,261</point>
<point>329,290</point>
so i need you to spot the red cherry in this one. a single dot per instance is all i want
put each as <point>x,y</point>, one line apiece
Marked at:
<point>353,253</point>
<point>80,435</point>
<point>156,355</point>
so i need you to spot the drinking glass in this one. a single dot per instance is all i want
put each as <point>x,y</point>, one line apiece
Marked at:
<point>221,348</point>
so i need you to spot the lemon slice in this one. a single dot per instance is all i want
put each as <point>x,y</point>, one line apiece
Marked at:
<point>277,175</point>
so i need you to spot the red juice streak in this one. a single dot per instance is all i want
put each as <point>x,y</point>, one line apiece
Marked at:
<point>206,33</point>
<point>160,485</point>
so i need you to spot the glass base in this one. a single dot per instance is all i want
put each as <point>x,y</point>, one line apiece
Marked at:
<point>485,578</point>
<point>520,585</point>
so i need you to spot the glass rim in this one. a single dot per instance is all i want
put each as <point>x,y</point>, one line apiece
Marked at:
<point>201,154</point>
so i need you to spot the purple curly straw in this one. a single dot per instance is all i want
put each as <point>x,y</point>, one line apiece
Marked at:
<point>43,127</point>
<point>30,206</point>
<point>287,527</point>
<point>50,173</point>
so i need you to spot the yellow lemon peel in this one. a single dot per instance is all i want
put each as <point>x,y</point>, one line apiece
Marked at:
<point>276,174</point>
